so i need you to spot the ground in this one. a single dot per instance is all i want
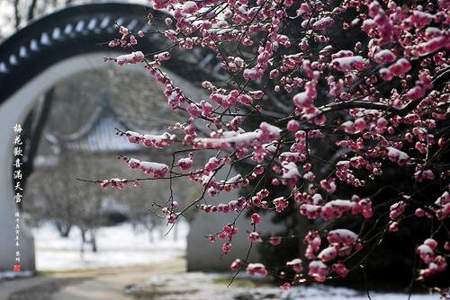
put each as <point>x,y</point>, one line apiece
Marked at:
<point>167,280</point>
<point>130,267</point>
<point>118,246</point>
<point>100,284</point>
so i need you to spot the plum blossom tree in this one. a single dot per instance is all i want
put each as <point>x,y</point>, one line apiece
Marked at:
<point>324,98</point>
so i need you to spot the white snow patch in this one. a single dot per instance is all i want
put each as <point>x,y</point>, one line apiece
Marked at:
<point>339,293</point>
<point>14,275</point>
<point>118,246</point>
<point>204,286</point>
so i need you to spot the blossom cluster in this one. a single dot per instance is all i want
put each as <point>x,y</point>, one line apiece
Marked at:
<point>378,99</point>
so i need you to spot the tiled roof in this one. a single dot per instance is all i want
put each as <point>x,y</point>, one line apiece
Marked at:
<point>98,135</point>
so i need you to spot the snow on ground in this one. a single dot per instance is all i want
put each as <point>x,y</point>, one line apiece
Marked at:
<point>205,286</point>
<point>118,246</point>
<point>13,275</point>
<point>123,246</point>
<point>337,293</point>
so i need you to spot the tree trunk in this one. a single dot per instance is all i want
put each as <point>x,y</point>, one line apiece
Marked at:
<point>151,237</point>
<point>63,229</point>
<point>83,240</point>
<point>17,18</point>
<point>31,10</point>
<point>93,241</point>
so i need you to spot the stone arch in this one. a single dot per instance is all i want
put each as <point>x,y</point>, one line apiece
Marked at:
<point>66,42</point>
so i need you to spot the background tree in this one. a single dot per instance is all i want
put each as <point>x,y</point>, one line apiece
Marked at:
<point>55,195</point>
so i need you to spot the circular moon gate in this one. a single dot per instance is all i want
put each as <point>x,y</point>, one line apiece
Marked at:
<point>57,46</point>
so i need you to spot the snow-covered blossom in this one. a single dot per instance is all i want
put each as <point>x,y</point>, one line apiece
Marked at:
<point>257,269</point>
<point>151,140</point>
<point>254,237</point>
<point>236,265</point>
<point>349,63</point>
<point>328,254</point>
<point>397,156</point>
<point>396,210</point>
<point>318,270</point>
<point>154,169</point>
<point>342,236</point>
<point>132,58</point>
<point>280,204</point>
<point>296,265</point>
<point>427,253</point>
<point>256,218</point>
<point>185,163</point>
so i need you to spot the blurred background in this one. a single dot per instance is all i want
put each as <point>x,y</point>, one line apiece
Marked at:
<point>78,224</point>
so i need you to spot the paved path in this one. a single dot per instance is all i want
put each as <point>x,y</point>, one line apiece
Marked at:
<point>12,286</point>
<point>103,284</point>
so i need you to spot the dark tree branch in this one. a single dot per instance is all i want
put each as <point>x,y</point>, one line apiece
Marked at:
<point>356,104</point>
<point>17,18</point>
<point>439,82</point>
<point>31,10</point>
